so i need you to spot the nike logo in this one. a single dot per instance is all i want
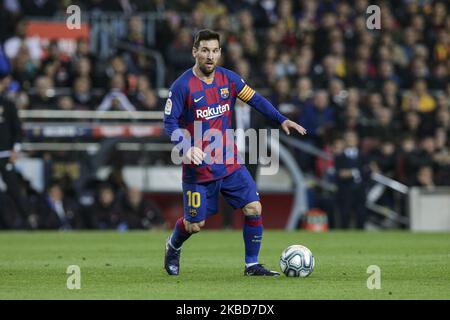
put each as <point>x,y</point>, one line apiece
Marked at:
<point>197,100</point>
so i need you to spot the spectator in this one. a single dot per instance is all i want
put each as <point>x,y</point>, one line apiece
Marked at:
<point>302,67</point>
<point>143,97</point>
<point>407,147</point>
<point>82,68</point>
<point>65,103</point>
<point>424,156</point>
<point>82,94</point>
<point>419,99</point>
<point>317,118</point>
<point>303,95</point>
<point>440,77</point>
<point>383,160</point>
<point>425,178</point>
<point>336,93</point>
<point>83,50</point>
<point>137,212</point>
<point>352,120</point>
<point>234,54</point>
<point>132,47</point>
<point>351,175</point>
<point>19,39</point>
<point>411,124</point>
<point>441,50</point>
<point>117,181</point>
<point>360,77</point>
<point>148,101</point>
<point>179,54</point>
<point>10,215</point>
<point>284,67</point>
<point>250,47</point>
<point>246,20</point>
<point>45,95</point>
<point>24,68</point>
<point>55,211</point>
<point>391,96</point>
<point>116,99</point>
<point>286,16</point>
<point>22,100</point>
<point>328,22</point>
<point>211,9</point>
<point>10,146</point>
<point>135,34</point>
<point>443,119</point>
<point>56,65</point>
<point>442,156</point>
<point>282,97</point>
<point>102,214</point>
<point>198,20</point>
<point>384,128</point>
<point>386,73</point>
<point>325,72</point>
<point>223,27</point>
<point>117,66</point>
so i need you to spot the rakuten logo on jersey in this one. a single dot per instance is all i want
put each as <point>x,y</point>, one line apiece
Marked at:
<point>211,113</point>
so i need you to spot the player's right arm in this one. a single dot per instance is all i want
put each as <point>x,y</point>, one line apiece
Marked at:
<point>173,111</point>
<point>254,99</point>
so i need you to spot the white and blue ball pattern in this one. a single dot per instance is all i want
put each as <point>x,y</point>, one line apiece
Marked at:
<point>297,261</point>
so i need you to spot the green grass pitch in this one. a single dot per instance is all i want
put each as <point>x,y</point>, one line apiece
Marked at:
<point>130,266</point>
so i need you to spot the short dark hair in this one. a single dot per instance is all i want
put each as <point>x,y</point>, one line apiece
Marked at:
<point>205,34</point>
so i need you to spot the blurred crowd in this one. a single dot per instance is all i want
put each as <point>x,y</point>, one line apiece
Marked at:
<point>316,61</point>
<point>108,204</point>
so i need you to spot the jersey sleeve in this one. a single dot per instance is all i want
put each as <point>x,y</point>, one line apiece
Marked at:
<point>173,111</point>
<point>254,99</point>
<point>244,91</point>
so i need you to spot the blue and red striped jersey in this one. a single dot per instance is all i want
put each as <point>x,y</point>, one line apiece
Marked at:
<point>192,100</point>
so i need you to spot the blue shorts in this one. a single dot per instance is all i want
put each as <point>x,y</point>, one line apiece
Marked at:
<point>201,200</point>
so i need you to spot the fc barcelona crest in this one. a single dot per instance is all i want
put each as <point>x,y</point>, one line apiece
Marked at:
<point>224,93</point>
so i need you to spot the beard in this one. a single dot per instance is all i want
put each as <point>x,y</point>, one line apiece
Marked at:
<point>206,71</point>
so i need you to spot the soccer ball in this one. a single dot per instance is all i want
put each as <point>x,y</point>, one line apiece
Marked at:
<point>297,261</point>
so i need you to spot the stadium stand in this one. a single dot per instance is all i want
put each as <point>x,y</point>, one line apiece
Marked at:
<point>92,99</point>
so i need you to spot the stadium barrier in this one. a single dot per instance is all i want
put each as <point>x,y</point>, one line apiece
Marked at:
<point>379,185</point>
<point>429,209</point>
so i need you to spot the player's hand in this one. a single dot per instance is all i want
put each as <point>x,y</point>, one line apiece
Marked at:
<point>288,124</point>
<point>195,155</point>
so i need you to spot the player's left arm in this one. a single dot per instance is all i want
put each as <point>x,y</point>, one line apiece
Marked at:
<point>256,100</point>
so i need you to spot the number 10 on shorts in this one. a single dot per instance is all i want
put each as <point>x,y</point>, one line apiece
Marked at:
<point>193,199</point>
